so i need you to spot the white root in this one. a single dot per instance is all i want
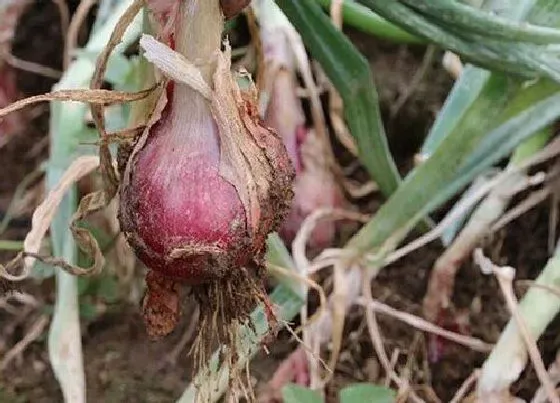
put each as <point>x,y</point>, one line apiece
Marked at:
<point>554,375</point>
<point>377,341</point>
<point>329,324</point>
<point>452,64</point>
<point>425,326</point>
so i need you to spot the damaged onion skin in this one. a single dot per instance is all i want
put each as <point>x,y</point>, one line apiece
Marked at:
<point>199,197</point>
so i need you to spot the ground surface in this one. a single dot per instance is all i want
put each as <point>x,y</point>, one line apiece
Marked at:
<point>124,366</point>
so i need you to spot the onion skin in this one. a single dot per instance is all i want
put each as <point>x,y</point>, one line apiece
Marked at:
<point>177,200</point>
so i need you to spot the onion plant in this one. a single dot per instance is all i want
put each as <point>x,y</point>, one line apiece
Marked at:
<point>501,107</point>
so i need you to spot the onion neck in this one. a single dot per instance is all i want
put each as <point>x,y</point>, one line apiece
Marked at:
<point>198,36</point>
<point>199,32</point>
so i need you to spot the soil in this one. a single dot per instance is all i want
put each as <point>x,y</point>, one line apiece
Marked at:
<point>122,365</point>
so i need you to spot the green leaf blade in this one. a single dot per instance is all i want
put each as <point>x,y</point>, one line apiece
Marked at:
<point>298,394</point>
<point>365,20</point>
<point>367,392</point>
<point>350,73</point>
<point>410,202</point>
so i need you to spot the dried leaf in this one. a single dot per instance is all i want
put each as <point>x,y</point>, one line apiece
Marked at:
<point>110,177</point>
<point>44,214</point>
<point>108,172</point>
<point>42,219</point>
<point>96,97</point>
<point>87,243</point>
<point>102,60</point>
<point>174,65</point>
<point>339,301</point>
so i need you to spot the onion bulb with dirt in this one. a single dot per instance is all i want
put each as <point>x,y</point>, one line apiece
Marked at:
<point>205,183</point>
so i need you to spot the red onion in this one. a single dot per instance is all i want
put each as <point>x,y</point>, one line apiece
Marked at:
<point>315,185</point>
<point>205,183</point>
